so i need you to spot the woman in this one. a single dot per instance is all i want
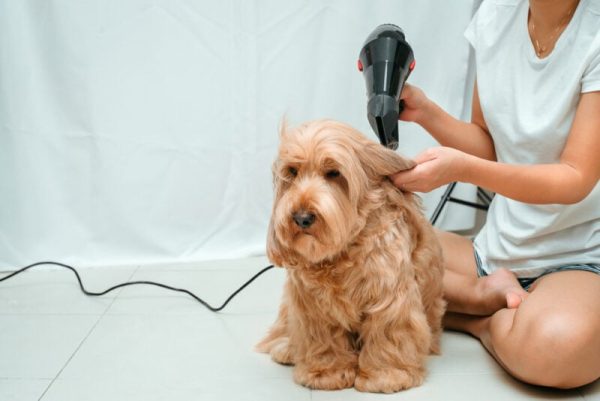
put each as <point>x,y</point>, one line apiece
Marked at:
<point>528,286</point>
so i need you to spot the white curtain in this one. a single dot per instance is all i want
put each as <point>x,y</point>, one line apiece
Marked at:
<point>143,131</point>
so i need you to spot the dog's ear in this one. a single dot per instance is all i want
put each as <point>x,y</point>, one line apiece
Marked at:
<point>275,167</point>
<point>274,249</point>
<point>381,161</point>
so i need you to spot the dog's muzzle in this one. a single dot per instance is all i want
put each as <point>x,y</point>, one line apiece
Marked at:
<point>303,218</point>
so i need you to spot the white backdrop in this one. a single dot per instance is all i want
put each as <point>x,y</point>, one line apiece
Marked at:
<point>142,131</point>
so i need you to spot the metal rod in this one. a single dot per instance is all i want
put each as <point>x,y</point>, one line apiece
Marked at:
<point>442,203</point>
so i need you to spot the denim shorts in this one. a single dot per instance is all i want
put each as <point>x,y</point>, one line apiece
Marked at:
<point>527,282</point>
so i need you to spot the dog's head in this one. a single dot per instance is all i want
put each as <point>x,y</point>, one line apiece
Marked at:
<point>327,180</point>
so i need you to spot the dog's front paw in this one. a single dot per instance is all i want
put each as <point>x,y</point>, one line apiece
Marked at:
<point>279,349</point>
<point>388,380</point>
<point>280,352</point>
<point>325,379</point>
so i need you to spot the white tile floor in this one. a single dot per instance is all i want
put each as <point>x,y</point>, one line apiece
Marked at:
<point>149,344</point>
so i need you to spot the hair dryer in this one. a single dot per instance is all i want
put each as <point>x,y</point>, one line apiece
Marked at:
<point>386,60</point>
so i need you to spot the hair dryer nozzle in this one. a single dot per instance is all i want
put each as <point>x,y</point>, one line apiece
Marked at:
<point>386,60</point>
<point>382,112</point>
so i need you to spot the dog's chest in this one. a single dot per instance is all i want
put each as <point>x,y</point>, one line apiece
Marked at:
<point>341,297</point>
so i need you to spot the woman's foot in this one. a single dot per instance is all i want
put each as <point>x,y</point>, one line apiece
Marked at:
<point>499,290</point>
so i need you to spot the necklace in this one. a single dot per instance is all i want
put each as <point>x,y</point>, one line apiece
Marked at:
<point>540,49</point>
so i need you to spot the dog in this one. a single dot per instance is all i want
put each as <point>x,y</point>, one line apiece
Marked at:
<point>362,304</point>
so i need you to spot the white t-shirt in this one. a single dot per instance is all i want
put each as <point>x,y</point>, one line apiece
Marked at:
<point>529,105</point>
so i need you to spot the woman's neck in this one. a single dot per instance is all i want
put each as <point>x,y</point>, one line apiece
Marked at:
<point>548,15</point>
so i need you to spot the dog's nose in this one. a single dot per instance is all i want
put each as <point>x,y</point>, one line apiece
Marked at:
<point>304,219</point>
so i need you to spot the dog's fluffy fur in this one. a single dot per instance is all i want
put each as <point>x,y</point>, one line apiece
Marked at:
<point>363,303</point>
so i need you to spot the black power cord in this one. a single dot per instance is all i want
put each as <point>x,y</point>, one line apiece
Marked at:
<point>168,287</point>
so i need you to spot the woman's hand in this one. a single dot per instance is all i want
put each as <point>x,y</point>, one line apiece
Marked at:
<point>415,104</point>
<point>435,167</point>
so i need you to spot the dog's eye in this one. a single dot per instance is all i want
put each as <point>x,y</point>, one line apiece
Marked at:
<point>292,171</point>
<point>332,174</point>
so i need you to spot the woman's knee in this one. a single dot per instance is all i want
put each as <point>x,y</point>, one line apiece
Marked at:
<point>458,253</point>
<point>552,348</point>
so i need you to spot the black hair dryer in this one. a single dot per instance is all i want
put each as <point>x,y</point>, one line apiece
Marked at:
<point>386,60</point>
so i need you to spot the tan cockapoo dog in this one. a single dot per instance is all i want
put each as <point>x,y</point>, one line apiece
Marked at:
<point>363,303</point>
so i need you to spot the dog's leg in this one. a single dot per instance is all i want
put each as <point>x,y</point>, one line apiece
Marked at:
<point>435,306</point>
<point>430,281</point>
<point>326,357</point>
<point>395,343</point>
<point>435,312</point>
<point>277,341</point>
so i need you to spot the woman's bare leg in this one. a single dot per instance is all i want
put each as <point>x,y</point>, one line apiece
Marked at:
<point>552,338</point>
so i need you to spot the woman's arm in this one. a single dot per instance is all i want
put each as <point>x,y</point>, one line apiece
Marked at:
<point>472,138</point>
<point>568,181</point>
